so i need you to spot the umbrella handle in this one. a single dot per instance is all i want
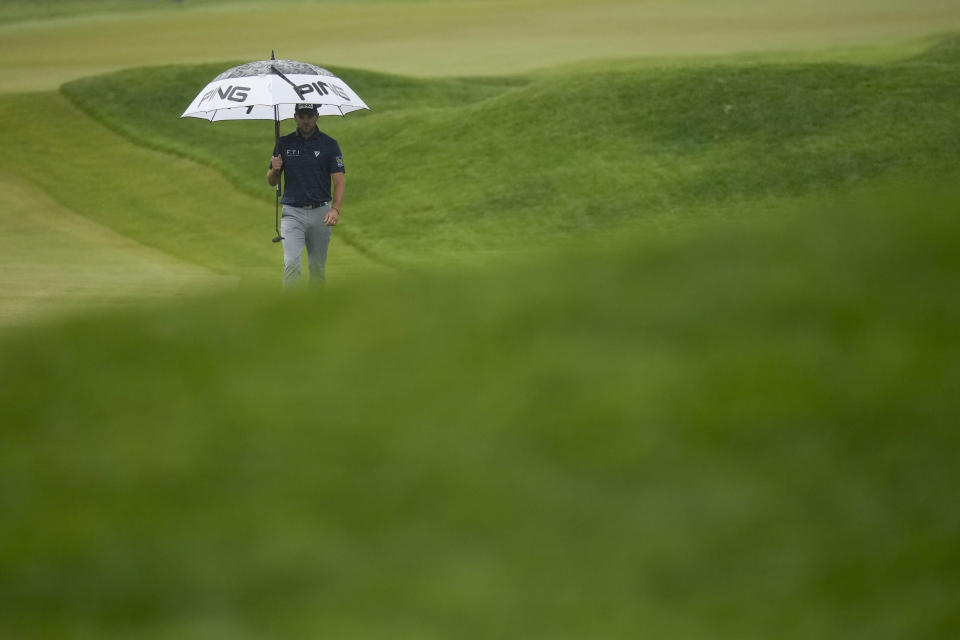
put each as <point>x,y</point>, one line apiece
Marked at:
<point>276,136</point>
<point>278,237</point>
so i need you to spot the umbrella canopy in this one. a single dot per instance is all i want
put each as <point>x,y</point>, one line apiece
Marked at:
<point>269,89</point>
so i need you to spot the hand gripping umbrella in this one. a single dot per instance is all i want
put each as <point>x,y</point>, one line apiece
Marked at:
<point>269,90</point>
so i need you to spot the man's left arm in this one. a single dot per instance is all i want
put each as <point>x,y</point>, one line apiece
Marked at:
<point>339,187</point>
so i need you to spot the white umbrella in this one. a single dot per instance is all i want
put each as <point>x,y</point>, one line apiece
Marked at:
<point>269,90</point>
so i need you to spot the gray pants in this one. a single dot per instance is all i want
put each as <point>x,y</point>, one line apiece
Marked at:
<point>304,228</point>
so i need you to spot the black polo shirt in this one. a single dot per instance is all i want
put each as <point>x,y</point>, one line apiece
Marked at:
<point>307,165</point>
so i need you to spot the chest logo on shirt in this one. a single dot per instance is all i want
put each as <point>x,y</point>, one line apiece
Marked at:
<point>293,152</point>
<point>316,154</point>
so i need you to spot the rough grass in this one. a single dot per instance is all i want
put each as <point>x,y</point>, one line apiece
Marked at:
<point>710,434</point>
<point>446,167</point>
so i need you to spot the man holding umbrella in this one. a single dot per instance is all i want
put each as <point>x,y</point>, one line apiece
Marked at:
<point>310,160</point>
<point>275,90</point>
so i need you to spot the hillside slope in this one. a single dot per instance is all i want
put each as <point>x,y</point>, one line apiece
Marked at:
<point>450,167</point>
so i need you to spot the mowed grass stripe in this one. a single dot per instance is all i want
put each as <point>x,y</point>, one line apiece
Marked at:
<point>53,260</point>
<point>164,202</point>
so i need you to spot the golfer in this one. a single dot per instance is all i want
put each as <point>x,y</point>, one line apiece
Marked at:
<point>309,160</point>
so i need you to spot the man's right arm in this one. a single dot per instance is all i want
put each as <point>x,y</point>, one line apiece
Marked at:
<point>273,173</point>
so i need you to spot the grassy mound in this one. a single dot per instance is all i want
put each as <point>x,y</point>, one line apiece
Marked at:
<point>714,434</point>
<point>444,167</point>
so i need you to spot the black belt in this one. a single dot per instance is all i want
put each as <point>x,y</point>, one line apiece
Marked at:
<point>312,205</point>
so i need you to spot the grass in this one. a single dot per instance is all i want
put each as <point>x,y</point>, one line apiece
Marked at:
<point>53,259</point>
<point>716,433</point>
<point>179,215</point>
<point>134,191</point>
<point>166,203</point>
<point>697,383</point>
<point>447,168</point>
<point>428,39</point>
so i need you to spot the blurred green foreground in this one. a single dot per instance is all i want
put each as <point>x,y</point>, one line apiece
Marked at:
<point>738,432</point>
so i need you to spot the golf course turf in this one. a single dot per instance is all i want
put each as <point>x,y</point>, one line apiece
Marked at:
<point>649,347</point>
<point>711,434</point>
<point>446,166</point>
